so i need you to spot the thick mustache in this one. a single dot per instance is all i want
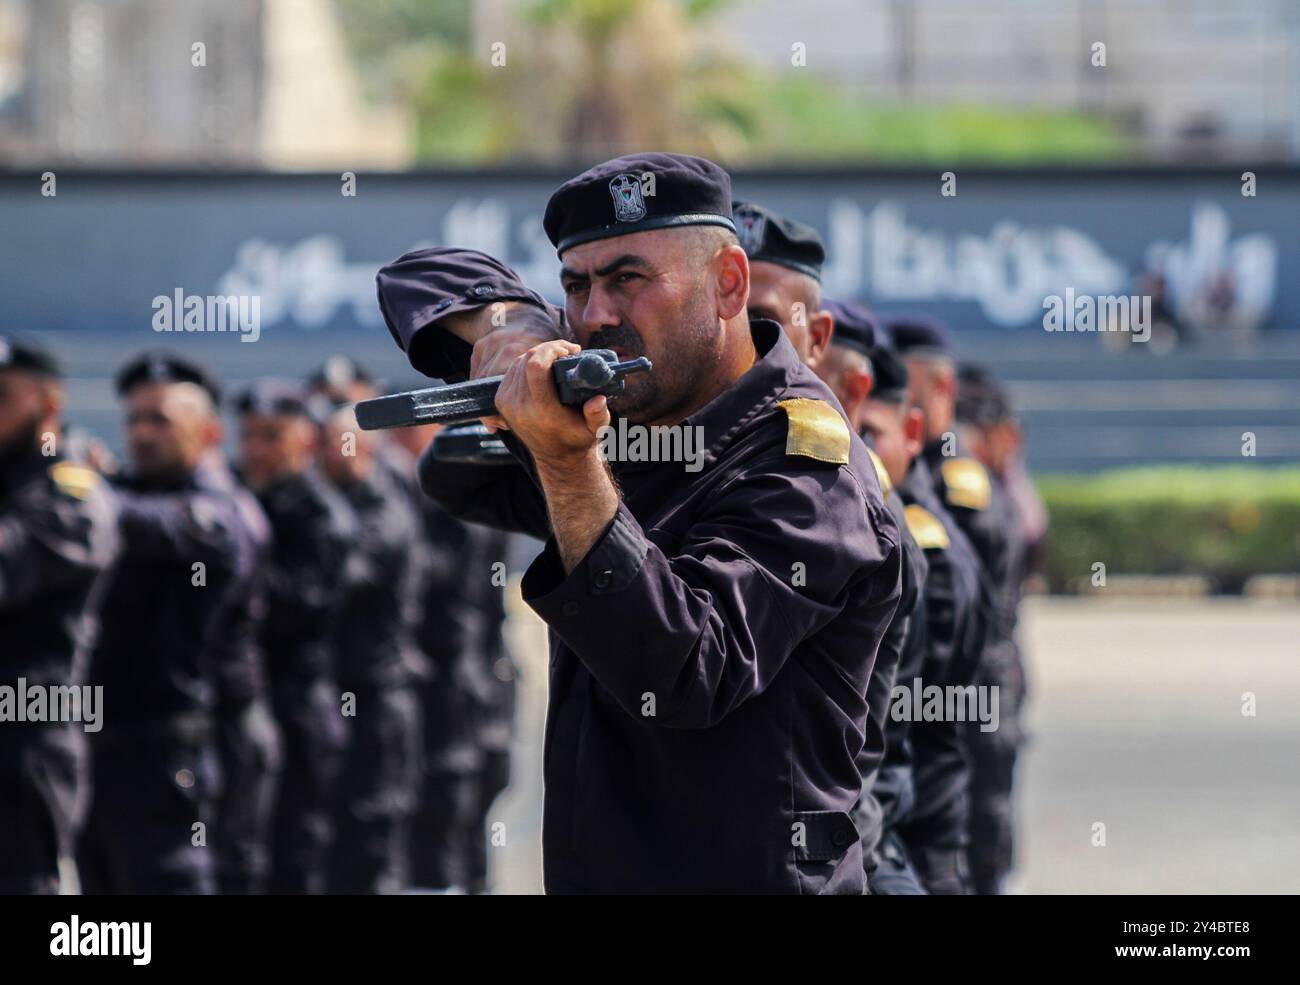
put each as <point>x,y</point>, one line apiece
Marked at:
<point>623,337</point>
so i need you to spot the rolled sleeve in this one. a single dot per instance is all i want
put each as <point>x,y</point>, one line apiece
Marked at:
<point>419,289</point>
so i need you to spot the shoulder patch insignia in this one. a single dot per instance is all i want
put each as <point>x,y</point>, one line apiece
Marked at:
<point>816,430</point>
<point>967,483</point>
<point>885,485</point>
<point>74,480</point>
<point>926,529</point>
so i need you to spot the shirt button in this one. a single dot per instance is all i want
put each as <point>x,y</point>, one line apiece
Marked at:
<point>483,291</point>
<point>841,837</point>
<point>444,303</point>
<point>604,578</point>
<point>570,608</point>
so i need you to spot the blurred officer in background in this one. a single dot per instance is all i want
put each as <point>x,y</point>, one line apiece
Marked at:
<point>984,410</point>
<point>249,744</point>
<point>466,686</point>
<point>313,530</point>
<point>155,762</point>
<point>785,259</point>
<point>980,507</point>
<point>785,274</point>
<point>58,537</point>
<point>375,659</point>
<point>926,841</point>
<point>887,789</point>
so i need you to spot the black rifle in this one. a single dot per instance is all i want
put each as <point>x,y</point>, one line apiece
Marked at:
<point>578,378</point>
<point>470,444</point>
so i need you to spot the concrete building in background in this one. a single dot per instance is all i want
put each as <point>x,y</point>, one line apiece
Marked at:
<point>113,81</point>
<point>1186,78</point>
<point>233,83</point>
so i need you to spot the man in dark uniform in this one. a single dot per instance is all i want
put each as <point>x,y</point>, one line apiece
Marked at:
<point>466,686</point>
<point>887,791</point>
<point>58,537</point>
<point>155,765</point>
<point>313,530</point>
<point>982,511</point>
<point>248,740</point>
<point>926,827</point>
<point>375,658</point>
<point>786,260</point>
<point>990,430</point>
<point>713,631</point>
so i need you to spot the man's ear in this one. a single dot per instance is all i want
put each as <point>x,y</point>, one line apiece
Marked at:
<point>820,326</point>
<point>732,281</point>
<point>913,431</point>
<point>856,384</point>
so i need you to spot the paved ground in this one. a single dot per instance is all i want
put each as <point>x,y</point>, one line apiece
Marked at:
<point>1137,724</point>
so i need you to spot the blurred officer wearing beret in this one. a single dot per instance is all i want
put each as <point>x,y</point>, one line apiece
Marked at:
<point>925,781</point>
<point>313,530</point>
<point>992,434</point>
<point>978,505</point>
<point>58,538</point>
<point>186,561</point>
<point>848,370</point>
<point>710,653</point>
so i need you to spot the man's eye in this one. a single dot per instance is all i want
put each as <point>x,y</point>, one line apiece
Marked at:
<point>626,277</point>
<point>574,287</point>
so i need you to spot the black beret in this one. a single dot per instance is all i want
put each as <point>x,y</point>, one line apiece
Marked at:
<point>981,399</point>
<point>855,326</point>
<point>773,238</point>
<point>271,397</point>
<point>337,372</point>
<point>638,192</point>
<point>29,356</point>
<point>858,328</point>
<point>164,367</point>
<point>918,335</point>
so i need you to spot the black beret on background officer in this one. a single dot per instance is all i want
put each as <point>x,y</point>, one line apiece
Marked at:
<point>926,779</point>
<point>712,643</point>
<point>785,274</point>
<point>375,653</point>
<point>58,537</point>
<point>154,764</point>
<point>313,531</point>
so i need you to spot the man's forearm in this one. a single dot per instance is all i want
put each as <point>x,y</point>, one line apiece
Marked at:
<point>582,501</point>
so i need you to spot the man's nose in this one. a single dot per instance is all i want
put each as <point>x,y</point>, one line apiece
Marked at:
<point>600,311</point>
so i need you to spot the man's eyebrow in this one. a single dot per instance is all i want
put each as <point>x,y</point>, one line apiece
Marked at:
<point>625,260</point>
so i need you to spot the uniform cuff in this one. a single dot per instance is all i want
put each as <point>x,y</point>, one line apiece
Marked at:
<point>611,565</point>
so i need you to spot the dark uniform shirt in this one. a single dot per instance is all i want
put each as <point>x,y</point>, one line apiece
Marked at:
<point>58,536</point>
<point>955,607</point>
<point>886,778</point>
<point>155,658</point>
<point>313,532</point>
<point>374,631</point>
<point>710,655</point>
<point>239,662</point>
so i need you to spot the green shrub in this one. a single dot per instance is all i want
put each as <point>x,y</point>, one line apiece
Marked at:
<point>1226,523</point>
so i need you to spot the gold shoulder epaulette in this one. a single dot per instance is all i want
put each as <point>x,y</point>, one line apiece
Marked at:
<point>886,486</point>
<point>816,430</point>
<point>74,480</point>
<point>926,529</point>
<point>967,483</point>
